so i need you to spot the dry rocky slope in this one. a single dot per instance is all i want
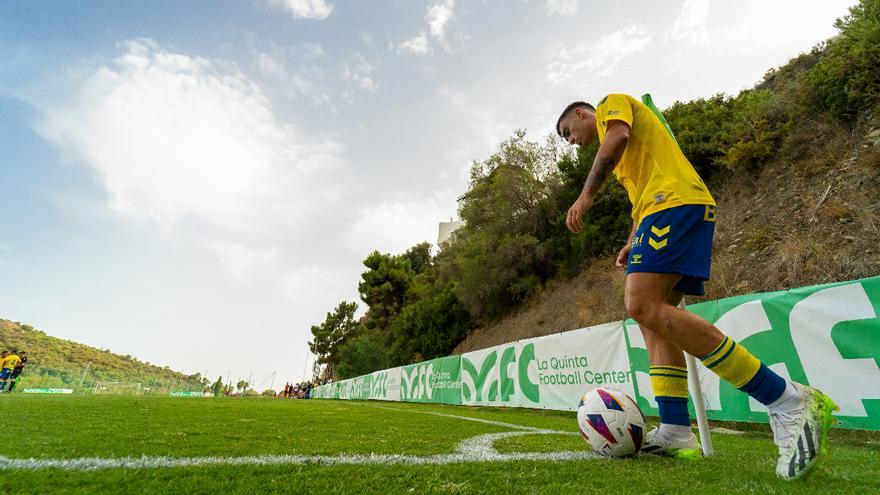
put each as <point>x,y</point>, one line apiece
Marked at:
<point>810,216</point>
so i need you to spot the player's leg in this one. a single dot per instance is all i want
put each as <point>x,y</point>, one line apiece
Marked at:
<point>646,295</point>
<point>670,385</point>
<point>800,416</point>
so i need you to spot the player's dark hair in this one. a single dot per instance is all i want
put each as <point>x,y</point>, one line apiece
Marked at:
<point>569,108</point>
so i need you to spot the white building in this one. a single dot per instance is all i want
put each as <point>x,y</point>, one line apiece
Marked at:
<point>446,230</point>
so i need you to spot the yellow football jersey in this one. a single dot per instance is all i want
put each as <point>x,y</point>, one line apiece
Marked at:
<point>11,361</point>
<point>653,170</point>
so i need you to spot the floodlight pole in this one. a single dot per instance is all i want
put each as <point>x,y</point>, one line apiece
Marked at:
<point>697,395</point>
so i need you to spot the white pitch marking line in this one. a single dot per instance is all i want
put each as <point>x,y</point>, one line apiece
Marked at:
<point>466,418</point>
<point>479,448</point>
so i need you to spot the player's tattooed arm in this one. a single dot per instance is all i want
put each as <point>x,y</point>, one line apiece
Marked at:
<point>607,157</point>
<point>609,154</point>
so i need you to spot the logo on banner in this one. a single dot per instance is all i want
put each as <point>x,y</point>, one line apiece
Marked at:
<point>489,388</point>
<point>429,380</point>
<point>415,382</point>
<point>379,387</point>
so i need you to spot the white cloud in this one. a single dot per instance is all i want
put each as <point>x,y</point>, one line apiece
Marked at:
<point>592,60</point>
<point>562,7</point>
<point>300,79</point>
<point>438,15</point>
<point>305,9</point>
<point>690,25</point>
<point>173,137</point>
<point>416,46</point>
<point>304,71</point>
<point>358,70</point>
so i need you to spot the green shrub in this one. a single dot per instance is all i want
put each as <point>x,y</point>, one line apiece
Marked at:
<point>847,78</point>
<point>361,355</point>
<point>429,328</point>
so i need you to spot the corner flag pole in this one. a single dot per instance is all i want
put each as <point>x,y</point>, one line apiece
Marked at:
<point>697,395</point>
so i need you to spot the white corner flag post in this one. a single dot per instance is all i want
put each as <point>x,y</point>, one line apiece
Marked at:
<point>697,395</point>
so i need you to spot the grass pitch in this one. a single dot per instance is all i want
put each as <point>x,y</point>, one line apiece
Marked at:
<point>96,444</point>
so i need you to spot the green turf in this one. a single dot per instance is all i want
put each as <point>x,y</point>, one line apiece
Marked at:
<point>70,427</point>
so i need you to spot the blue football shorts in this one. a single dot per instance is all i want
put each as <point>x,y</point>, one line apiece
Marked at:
<point>676,240</point>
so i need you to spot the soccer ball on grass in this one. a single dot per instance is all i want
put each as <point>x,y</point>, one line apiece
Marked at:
<point>611,422</point>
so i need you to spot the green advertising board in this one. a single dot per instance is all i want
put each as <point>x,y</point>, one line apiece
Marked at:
<point>826,336</point>
<point>48,390</point>
<point>437,380</point>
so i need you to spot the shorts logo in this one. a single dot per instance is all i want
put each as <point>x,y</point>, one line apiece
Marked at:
<point>637,241</point>
<point>636,259</point>
<point>659,243</point>
<point>709,216</point>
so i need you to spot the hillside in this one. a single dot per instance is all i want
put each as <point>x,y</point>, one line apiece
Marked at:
<point>59,363</point>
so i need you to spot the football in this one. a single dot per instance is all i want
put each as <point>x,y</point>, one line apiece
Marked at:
<point>611,422</point>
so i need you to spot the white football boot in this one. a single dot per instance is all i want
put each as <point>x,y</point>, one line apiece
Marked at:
<point>682,448</point>
<point>802,435</point>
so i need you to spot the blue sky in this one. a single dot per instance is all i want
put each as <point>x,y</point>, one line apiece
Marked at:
<point>196,183</point>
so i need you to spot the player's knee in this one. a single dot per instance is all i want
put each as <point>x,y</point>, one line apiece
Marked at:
<point>644,312</point>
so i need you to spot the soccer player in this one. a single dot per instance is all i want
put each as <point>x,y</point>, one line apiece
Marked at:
<point>3,355</point>
<point>6,367</point>
<point>668,254</point>
<point>16,371</point>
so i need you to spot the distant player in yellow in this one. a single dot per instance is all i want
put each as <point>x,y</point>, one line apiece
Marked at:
<point>668,254</point>
<point>16,372</point>
<point>9,363</point>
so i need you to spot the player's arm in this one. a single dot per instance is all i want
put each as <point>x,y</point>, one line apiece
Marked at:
<point>616,138</point>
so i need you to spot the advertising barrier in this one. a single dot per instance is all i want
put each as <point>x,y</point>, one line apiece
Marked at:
<point>550,372</point>
<point>827,336</point>
<point>436,381</point>
<point>48,390</point>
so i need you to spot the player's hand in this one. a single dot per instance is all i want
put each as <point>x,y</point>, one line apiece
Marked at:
<point>623,255</point>
<point>576,213</point>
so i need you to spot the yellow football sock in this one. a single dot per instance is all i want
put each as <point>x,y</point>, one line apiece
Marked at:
<point>669,381</point>
<point>732,362</point>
